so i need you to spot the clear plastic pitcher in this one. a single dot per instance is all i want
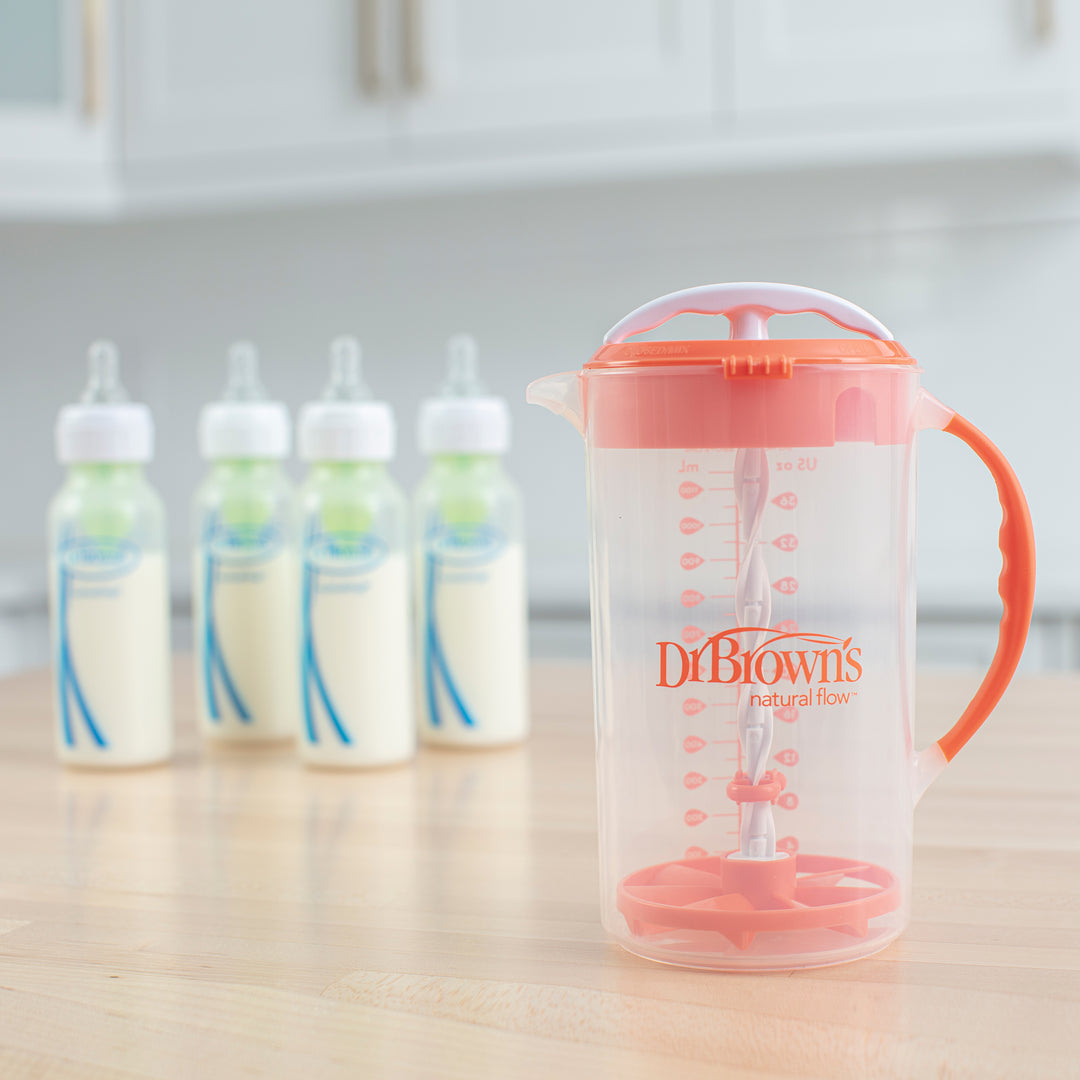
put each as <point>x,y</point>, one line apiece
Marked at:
<point>752,524</point>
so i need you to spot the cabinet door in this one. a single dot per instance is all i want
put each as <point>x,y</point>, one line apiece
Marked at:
<point>31,53</point>
<point>526,65</point>
<point>52,56</point>
<point>939,59</point>
<point>225,77</point>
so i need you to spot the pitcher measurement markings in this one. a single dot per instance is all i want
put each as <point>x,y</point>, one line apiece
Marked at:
<point>724,755</point>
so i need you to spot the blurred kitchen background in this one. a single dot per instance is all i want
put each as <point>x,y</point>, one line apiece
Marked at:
<point>176,174</point>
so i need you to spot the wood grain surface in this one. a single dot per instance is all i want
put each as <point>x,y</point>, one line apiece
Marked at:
<point>235,915</point>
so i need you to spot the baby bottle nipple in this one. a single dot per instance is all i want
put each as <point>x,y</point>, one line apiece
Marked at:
<point>461,368</point>
<point>103,386</point>
<point>244,383</point>
<point>346,379</point>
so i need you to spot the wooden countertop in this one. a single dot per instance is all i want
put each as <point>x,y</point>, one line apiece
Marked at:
<point>237,915</point>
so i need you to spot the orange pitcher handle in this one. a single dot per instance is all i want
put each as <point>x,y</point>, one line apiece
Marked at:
<point>1016,585</point>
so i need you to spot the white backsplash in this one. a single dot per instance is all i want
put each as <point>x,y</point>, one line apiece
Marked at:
<point>974,267</point>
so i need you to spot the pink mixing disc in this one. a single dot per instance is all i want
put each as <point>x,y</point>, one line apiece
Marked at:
<point>740,898</point>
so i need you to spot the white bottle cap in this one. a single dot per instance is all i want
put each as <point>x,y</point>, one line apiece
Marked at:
<point>104,426</point>
<point>346,425</point>
<point>465,420</point>
<point>244,424</point>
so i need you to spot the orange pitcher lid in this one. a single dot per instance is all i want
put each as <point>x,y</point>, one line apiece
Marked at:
<point>748,390</point>
<point>748,305</point>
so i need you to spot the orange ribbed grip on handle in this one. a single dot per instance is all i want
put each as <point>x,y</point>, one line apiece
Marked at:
<point>1016,585</point>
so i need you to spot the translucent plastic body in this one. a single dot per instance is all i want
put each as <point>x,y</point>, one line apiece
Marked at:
<point>471,604</point>
<point>667,558</point>
<point>246,603</point>
<point>109,605</point>
<point>819,634</point>
<point>356,662</point>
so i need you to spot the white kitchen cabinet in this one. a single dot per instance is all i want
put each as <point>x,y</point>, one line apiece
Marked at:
<point>830,63</point>
<point>206,78</point>
<point>142,106</point>
<point>533,67</point>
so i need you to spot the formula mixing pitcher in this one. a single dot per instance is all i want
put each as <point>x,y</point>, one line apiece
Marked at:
<point>752,526</point>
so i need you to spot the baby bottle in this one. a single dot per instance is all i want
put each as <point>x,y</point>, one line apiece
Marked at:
<point>108,581</point>
<point>470,567</point>
<point>245,586</point>
<point>355,661</point>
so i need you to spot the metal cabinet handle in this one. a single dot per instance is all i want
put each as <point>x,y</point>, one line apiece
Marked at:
<point>93,36</point>
<point>412,44</point>
<point>1043,21</point>
<point>367,29</point>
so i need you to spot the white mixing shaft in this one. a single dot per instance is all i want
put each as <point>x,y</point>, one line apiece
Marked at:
<point>753,607</point>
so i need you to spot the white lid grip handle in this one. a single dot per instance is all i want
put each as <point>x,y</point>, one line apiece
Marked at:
<point>748,306</point>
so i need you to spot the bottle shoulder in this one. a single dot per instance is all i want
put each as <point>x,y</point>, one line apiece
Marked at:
<point>462,499</point>
<point>345,486</point>
<point>130,508</point>
<point>342,501</point>
<point>74,494</point>
<point>265,486</point>
<point>493,483</point>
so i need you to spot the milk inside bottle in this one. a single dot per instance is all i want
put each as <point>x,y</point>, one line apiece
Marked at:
<point>470,567</point>
<point>108,581</point>
<point>245,576</point>
<point>355,657</point>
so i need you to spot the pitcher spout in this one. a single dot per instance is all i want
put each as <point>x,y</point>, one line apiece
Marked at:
<point>562,395</point>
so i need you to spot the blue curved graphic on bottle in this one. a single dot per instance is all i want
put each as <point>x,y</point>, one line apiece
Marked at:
<point>69,686</point>
<point>435,664</point>
<point>456,547</point>
<point>311,671</point>
<point>95,561</point>
<point>341,555</point>
<point>214,663</point>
